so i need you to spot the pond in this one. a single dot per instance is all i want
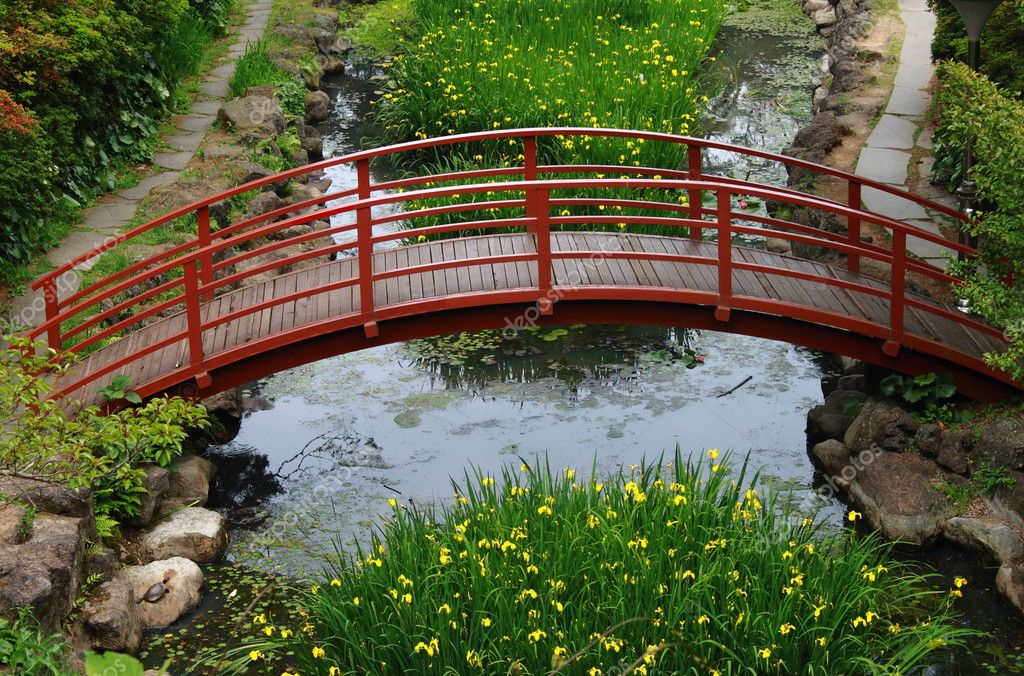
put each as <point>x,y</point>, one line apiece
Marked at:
<point>403,421</point>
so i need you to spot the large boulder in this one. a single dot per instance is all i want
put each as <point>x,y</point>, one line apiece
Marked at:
<point>50,498</point>
<point>318,107</point>
<point>226,410</point>
<point>832,456</point>
<point>183,580</point>
<point>955,451</point>
<point>882,424</point>
<point>1010,582</point>
<point>156,481</point>
<point>985,534</point>
<point>188,485</point>
<point>831,419</point>
<point>897,494</point>
<point>110,618</point>
<point>44,571</point>
<point>192,533</point>
<point>254,116</point>
<point>1001,444</point>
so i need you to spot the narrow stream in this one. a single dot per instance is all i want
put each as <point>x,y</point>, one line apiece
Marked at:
<point>401,421</point>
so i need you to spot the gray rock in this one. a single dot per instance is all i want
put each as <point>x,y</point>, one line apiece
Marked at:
<point>47,497</point>
<point>264,203</point>
<point>184,582</point>
<point>226,410</point>
<point>824,423</point>
<point>189,484</point>
<point>193,533</point>
<point>258,116</point>
<point>856,382</point>
<point>928,440</point>
<point>44,572</point>
<point>155,483</point>
<point>318,107</point>
<point>100,561</point>
<point>1001,444</point>
<point>985,534</point>
<point>896,494</point>
<point>824,17</point>
<point>882,424</point>
<point>832,456</point>
<point>955,451</point>
<point>110,618</point>
<point>1010,582</point>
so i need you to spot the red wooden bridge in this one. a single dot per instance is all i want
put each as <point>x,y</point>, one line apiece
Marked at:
<point>239,302</point>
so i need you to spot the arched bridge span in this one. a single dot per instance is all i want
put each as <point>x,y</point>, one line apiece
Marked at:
<point>503,247</point>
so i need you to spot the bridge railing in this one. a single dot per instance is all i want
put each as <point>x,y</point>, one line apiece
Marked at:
<point>186,278</point>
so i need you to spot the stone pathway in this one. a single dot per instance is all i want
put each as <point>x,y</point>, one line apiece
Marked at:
<point>115,210</point>
<point>887,155</point>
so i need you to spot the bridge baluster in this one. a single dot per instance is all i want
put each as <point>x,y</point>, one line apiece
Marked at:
<point>530,174</point>
<point>206,260</point>
<point>53,337</point>
<point>694,197</point>
<point>364,241</point>
<point>898,293</point>
<point>192,315</point>
<point>724,309</point>
<point>853,225</point>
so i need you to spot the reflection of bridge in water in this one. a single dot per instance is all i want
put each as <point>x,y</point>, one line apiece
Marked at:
<point>544,244</point>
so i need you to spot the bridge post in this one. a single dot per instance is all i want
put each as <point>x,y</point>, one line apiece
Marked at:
<point>897,298</point>
<point>853,226</point>
<point>530,174</point>
<point>694,197</point>
<point>206,260</point>
<point>52,304</point>
<point>364,243</point>
<point>193,316</point>
<point>724,309</point>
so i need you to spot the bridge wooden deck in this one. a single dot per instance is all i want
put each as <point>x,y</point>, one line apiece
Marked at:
<point>587,277</point>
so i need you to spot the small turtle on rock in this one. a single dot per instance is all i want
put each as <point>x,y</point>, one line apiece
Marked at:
<point>156,592</point>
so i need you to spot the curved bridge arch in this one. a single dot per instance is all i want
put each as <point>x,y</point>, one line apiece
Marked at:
<point>547,242</point>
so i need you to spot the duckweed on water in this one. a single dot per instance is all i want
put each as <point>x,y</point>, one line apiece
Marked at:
<point>666,568</point>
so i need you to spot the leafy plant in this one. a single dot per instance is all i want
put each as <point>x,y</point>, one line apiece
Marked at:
<point>118,390</point>
<point>50,441</point>
<point>103,664</point>
<point>26,649</point>
<point>678,567</point>
<point>989,480</point>
<point>974,111</point>
<point>929,394</point>
<point>959,495</point>
<point>28,519</point>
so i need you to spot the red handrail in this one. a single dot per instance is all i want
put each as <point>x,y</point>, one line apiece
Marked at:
<point>210,262</point>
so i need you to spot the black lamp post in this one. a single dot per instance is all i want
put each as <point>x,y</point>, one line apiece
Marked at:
<point>974,13</point>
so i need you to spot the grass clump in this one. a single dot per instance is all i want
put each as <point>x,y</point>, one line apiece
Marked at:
<point>667,568</point>
<point>254,69</point>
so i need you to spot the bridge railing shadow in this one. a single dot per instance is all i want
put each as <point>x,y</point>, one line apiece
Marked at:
<point>537,199</point>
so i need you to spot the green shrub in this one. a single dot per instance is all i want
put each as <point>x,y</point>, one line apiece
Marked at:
<point>101,452</point>
<point>668,568</point>
<point>26,649</point>
<point>1002,42</point>
<point>95,77</point>
<point>214,13</point>
<point>974,110</point>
